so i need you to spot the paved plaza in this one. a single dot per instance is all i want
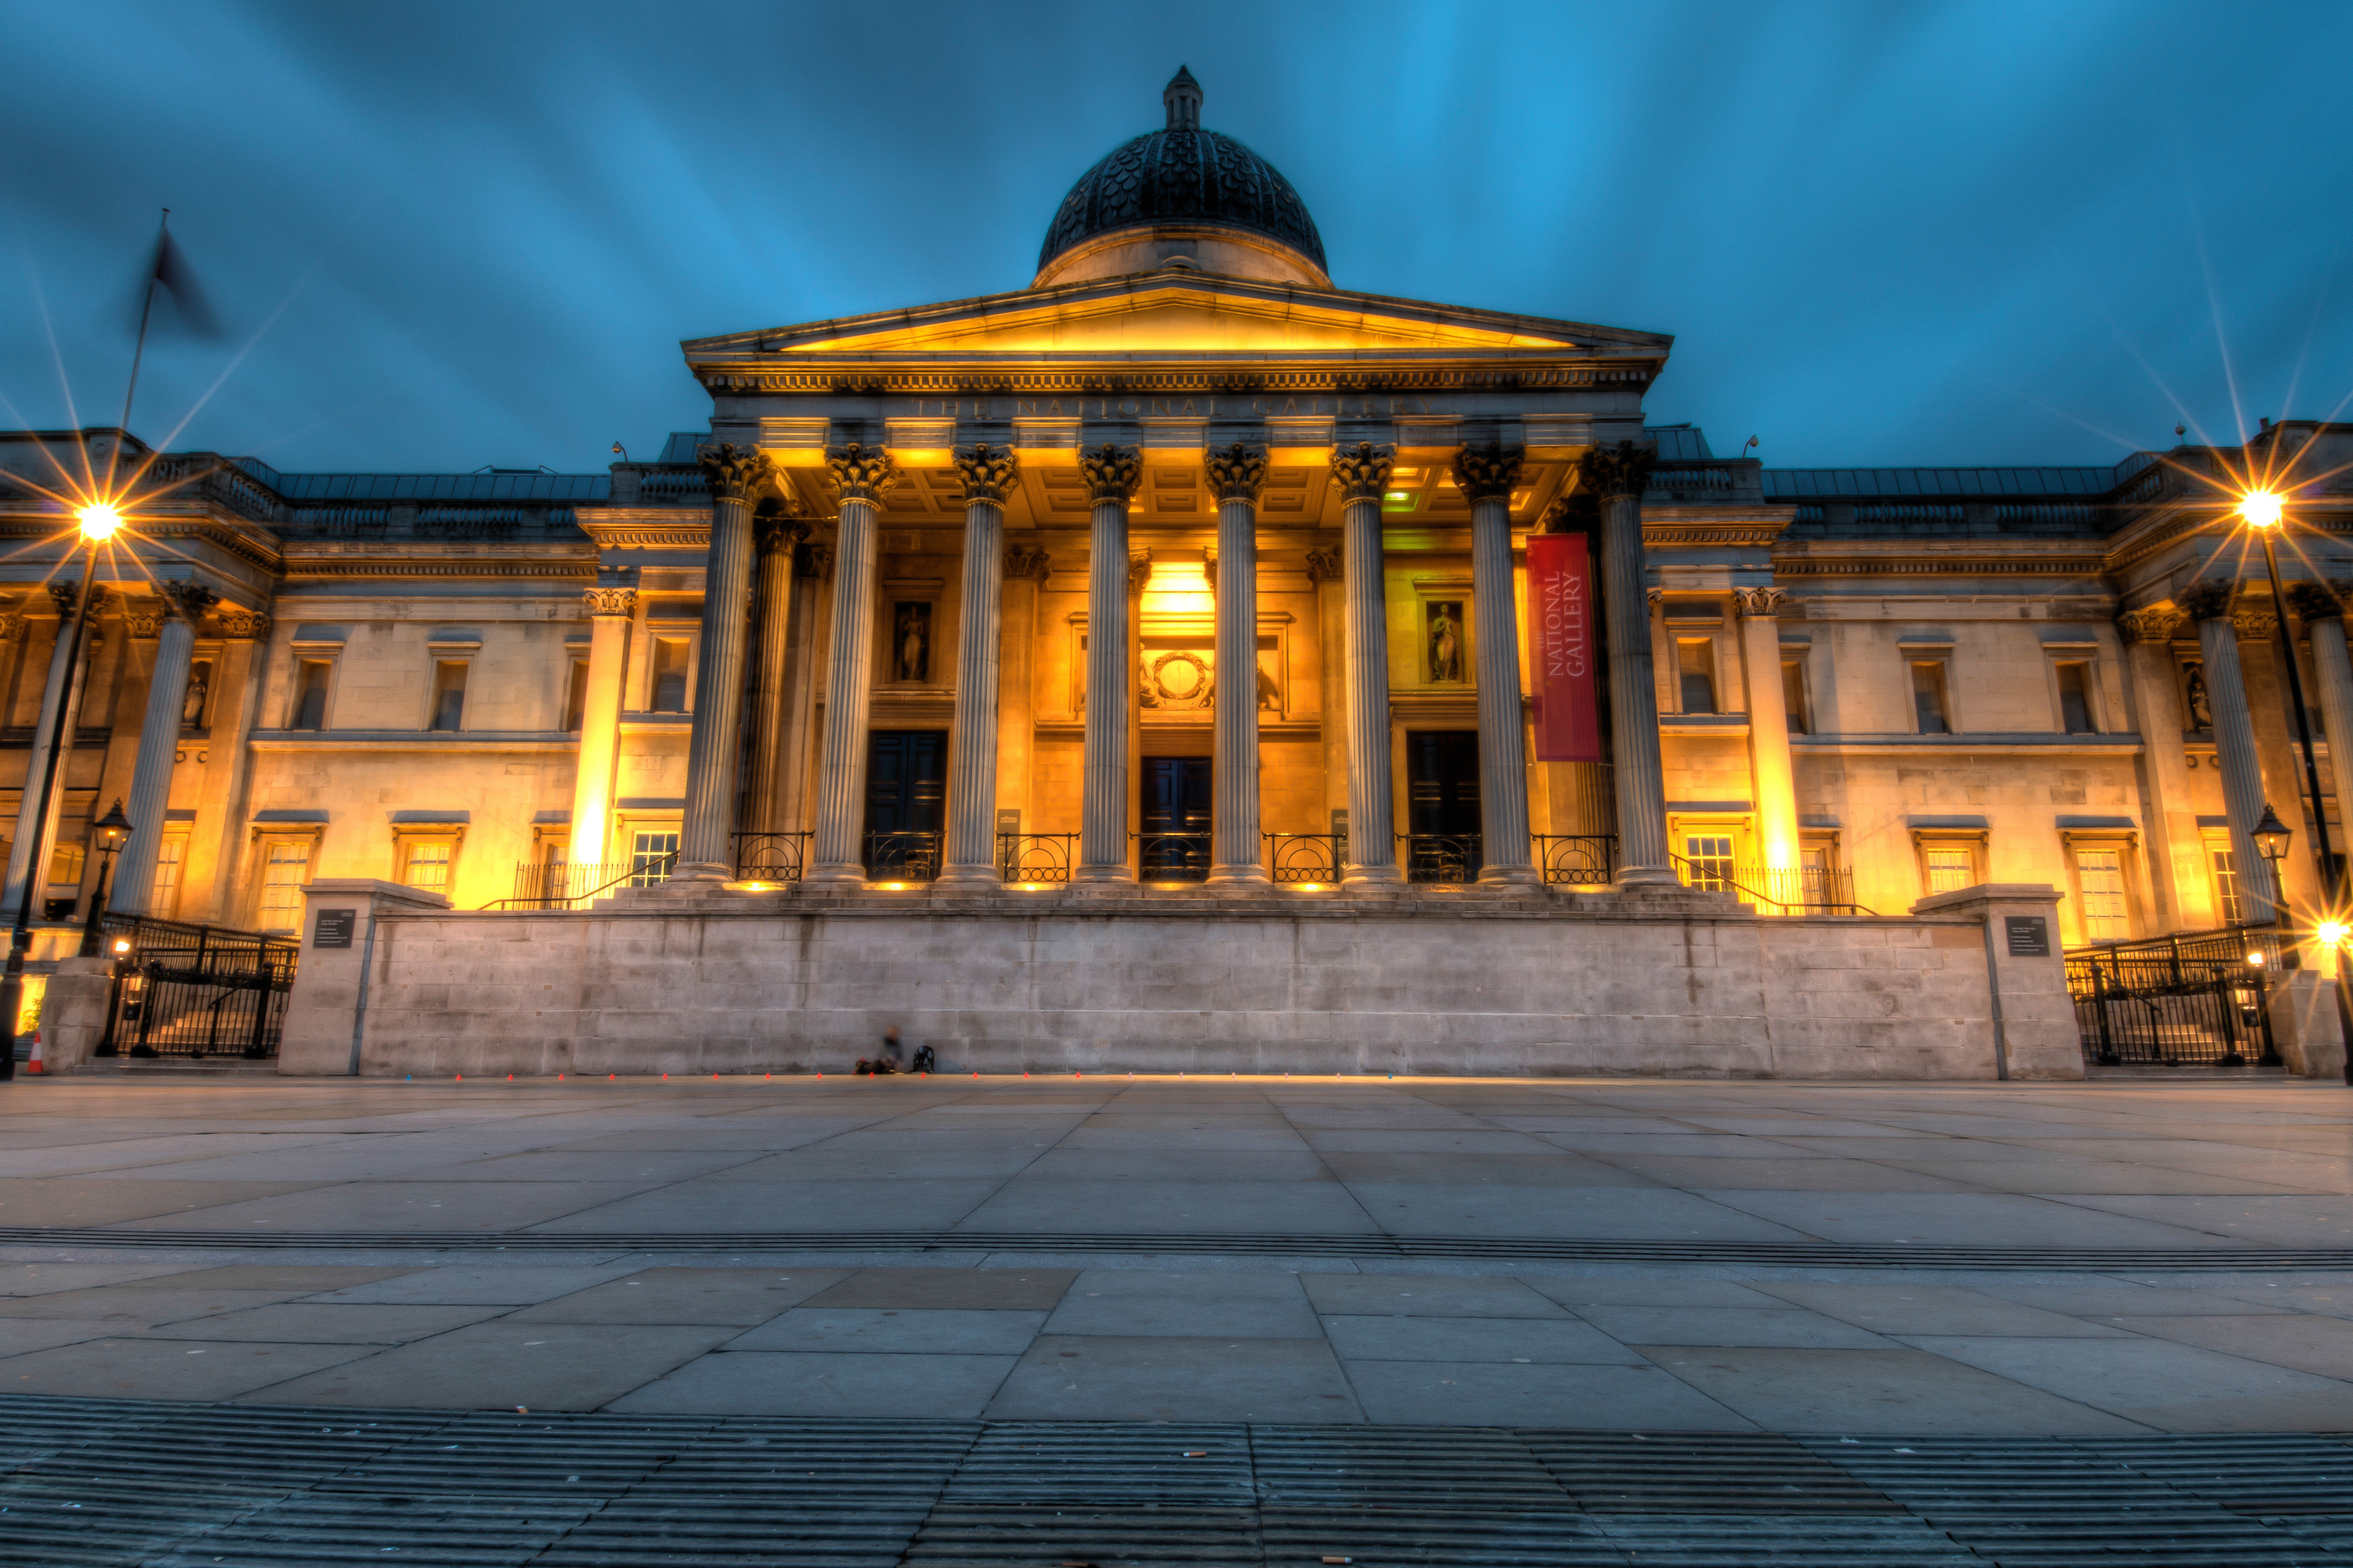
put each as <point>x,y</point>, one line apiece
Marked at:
<point>2115,1257</point>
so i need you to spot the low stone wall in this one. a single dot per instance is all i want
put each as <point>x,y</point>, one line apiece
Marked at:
<point>1540,985</point>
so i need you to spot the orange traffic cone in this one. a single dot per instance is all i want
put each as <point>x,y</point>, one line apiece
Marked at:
<point>37,1064</point>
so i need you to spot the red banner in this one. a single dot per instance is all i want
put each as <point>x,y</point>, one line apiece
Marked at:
<point>1560,632</point>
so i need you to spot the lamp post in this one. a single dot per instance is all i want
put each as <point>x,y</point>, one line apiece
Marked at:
<point>2270,836</point>
<point>99,522</point>
<point>113,829</point>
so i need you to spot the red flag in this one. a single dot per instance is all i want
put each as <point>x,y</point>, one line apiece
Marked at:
<point>1560,637</point>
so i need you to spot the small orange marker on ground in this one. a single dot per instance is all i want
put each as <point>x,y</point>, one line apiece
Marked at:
<point>461,1077</point>
<point>665,1078</point>
<point>510,1078</point>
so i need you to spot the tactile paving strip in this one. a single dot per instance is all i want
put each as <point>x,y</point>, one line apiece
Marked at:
<point>120,1482</point>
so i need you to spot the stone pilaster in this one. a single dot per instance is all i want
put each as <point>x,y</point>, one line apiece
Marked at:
<point>776,538</point>
<point>1772,779</point>
<point>812,571</point>
<point>610,612</point>
<point>706,847</point>
<point>1237,473</point>
<point>1616,476</point>
<point>1361,474</point>
<point>33,838</point>
<point>1328,577</point>
<point>1111,474</point>
<point>2184,892</point>
<point>2322,609</point>
<point>1486,476</point>
<point>989,472</point>
<point>159,741</point>
<point>2209,603</point>
<point>1026,568</point>
<point>2273,714</point>
<point>839,853</point>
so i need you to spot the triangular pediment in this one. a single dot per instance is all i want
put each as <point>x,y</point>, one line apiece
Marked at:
<point>1181,313</point>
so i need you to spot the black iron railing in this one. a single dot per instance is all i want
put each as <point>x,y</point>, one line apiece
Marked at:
<point>1304,858</point>
<point>771,857</point>
<point>1577,860</point>
<point>1441,857</point>
<point>1173,856</point>
<point>1036,860</point>
<point>907,857</point>
<point>543,885</point>
<point>195,990</point>
<point>1798,890</point>
<point>2199,998</point>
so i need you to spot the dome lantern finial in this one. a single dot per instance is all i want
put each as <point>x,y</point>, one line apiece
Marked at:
<point>1183,96</point>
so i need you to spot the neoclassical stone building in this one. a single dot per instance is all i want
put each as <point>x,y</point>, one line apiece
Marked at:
<point>1181,566</point>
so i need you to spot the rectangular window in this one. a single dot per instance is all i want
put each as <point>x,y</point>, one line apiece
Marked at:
<point>2100,873</point>
<point>1793,695</point>
<point>652,857</point>
<point>1928,696</point>
<point>62,895</point>
<point>448,694</point>
<point>2075,699</point>
<point>1951,866</point>
<point>1695,665</point>
<point>311,678</point>
<point>285,866</point>
<point>2226,886</point>
<point>428,864</point>
<point>164,900</point>
<point>575,697</point>
<point>670,658</point>
<point>1710,855</point>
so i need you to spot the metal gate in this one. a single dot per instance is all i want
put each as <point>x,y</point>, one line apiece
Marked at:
<point>195,991</point>
<point>2197,1000</point>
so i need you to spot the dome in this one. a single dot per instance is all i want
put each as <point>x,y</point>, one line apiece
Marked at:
<point>1182,191</point>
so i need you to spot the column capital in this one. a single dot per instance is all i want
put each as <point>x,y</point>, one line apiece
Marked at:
<point>1324,566</point>
<point>989,472</point>
<point>2316,602</point>
<point>188,600</point>
<point>1623,469</point>
<point>144,619</point>
<point>1362,472</point>
<point>64,593</point>
<point>2156,623</point>
<point>1139,568</point>
<point>2208,599</point>
<point>863,472</point>
<point>620,601</point>
<point>775,533</point>
<point>244,625</point>
<point>732,472</point>
<point>813,561</point>
<point>12,626</point>
<point>1027,564</point>
<point>1237,472</point>
<point>1759,603</point>
<point>2254,626</point>
<point>1112,472</point>
<point>1209,565</point>
<point>1483,473</point>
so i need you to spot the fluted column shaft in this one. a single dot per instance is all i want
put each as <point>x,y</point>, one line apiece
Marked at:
<point>159,743</point>
<point>713,748</point>
<point>610,611</point>
<point>1617,475</point>
<point>1236,473</point>
<point>1486,479</point>
<point>972,748</point>
<point>2234,745</point>
<point>796,760</point>
<point>1112,473</point>
<point>774,597</point>
<point>1772,779</point>
<point>1361,474</point>
<point>35,837</point>
<point>2334,669</point>
<point>837,853</point>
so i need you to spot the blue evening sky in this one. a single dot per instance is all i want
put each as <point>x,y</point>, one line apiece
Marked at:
<point>469,233</point>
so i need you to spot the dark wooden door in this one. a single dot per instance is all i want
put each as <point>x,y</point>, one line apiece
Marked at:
<point>906,798</point>
<point>1177,810</point>
<point>1442,781</point>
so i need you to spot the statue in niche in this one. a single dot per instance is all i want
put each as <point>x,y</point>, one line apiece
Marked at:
<point>912,644</point>
<point>1270,695</point>
<point>2199,709</point>
<point>192,706</point>
<point>1446,640</point>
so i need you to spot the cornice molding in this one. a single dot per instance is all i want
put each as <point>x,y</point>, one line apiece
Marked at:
<point>870,379</point>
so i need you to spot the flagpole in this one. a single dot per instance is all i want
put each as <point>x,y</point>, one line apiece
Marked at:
<point>146,308</point>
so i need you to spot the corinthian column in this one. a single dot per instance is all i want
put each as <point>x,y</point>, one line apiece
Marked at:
<point>706,837</point>
<point>839,853</point>
<point>1771,777</point>
<point>159,741</point>
<point>1111,475</point>
<point>2209,604</point>
<point>1237,473</point>
<point>610,611</point>
<point>777,536</point>
<point>1486,479</point>
<point>2323,614</point>
<point>28,855</point>
<point>812,566</point>
<point>1361,474</point>
<point>988,473</point>
<point>1616,476</point>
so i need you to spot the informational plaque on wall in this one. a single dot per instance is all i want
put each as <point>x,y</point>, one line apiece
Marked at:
<point>334,928</point>
<point>1560,634</point>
